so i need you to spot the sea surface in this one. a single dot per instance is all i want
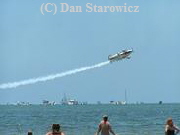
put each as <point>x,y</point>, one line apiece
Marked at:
<point>130,119</point>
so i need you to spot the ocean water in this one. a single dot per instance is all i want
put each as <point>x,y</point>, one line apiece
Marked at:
<point>131,119</point>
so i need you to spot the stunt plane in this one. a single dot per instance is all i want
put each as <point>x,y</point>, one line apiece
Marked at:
<point>120,55</point>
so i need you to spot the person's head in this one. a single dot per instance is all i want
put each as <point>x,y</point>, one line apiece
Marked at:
<point>169,122</point>
<point>55,127</point>
<point>105,118</point>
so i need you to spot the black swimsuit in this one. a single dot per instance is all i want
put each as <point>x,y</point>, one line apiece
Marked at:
<point>170,132</point>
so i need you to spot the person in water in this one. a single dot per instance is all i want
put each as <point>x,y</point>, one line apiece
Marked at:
<point>30,133</point>
<point>55,130</point>
<point>170,128</point>
<point>105,127</point>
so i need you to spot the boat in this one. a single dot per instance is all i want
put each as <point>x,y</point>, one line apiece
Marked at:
<point>66,101</point>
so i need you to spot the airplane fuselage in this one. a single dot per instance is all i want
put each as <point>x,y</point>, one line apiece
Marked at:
<point>120,55</point>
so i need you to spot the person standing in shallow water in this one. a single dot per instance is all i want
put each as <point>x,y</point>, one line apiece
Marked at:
<point>170,128</point>
<point>55,130</point>
<point>105,127</point>
<point>30,133</point>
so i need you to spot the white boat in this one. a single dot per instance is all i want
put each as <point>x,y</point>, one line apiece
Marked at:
<point>66,101</point>
<point>72,102</point>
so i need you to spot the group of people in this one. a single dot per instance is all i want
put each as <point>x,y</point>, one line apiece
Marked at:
<point>105,128</point>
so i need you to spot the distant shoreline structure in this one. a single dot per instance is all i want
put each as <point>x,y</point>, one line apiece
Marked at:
<point>85,103</point>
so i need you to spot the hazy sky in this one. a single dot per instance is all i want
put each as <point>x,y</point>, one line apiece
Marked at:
<point>33,45</point>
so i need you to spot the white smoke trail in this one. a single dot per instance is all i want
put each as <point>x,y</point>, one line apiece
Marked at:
<point>50,77</point>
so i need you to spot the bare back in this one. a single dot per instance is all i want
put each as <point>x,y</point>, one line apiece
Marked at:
<point>105,127</point>
<point>56,133</point>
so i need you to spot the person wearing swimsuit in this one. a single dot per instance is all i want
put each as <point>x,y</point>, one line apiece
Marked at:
<point>170,128</point>
<point>105,127</point>
<point>55,130</point>
<point>30,133</point>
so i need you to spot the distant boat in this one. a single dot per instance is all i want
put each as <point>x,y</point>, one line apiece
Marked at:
<point>160,102</point>
<point>46,102</point>
<point>72,102</point>
<point>120,102</point>
<point>23,103</point>
<point>66,101</point>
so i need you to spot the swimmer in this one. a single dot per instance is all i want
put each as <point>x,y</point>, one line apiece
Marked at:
<point>170,128</point>
<point>30,133</point>
<point>55,130</point>
<point>105,127</point>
